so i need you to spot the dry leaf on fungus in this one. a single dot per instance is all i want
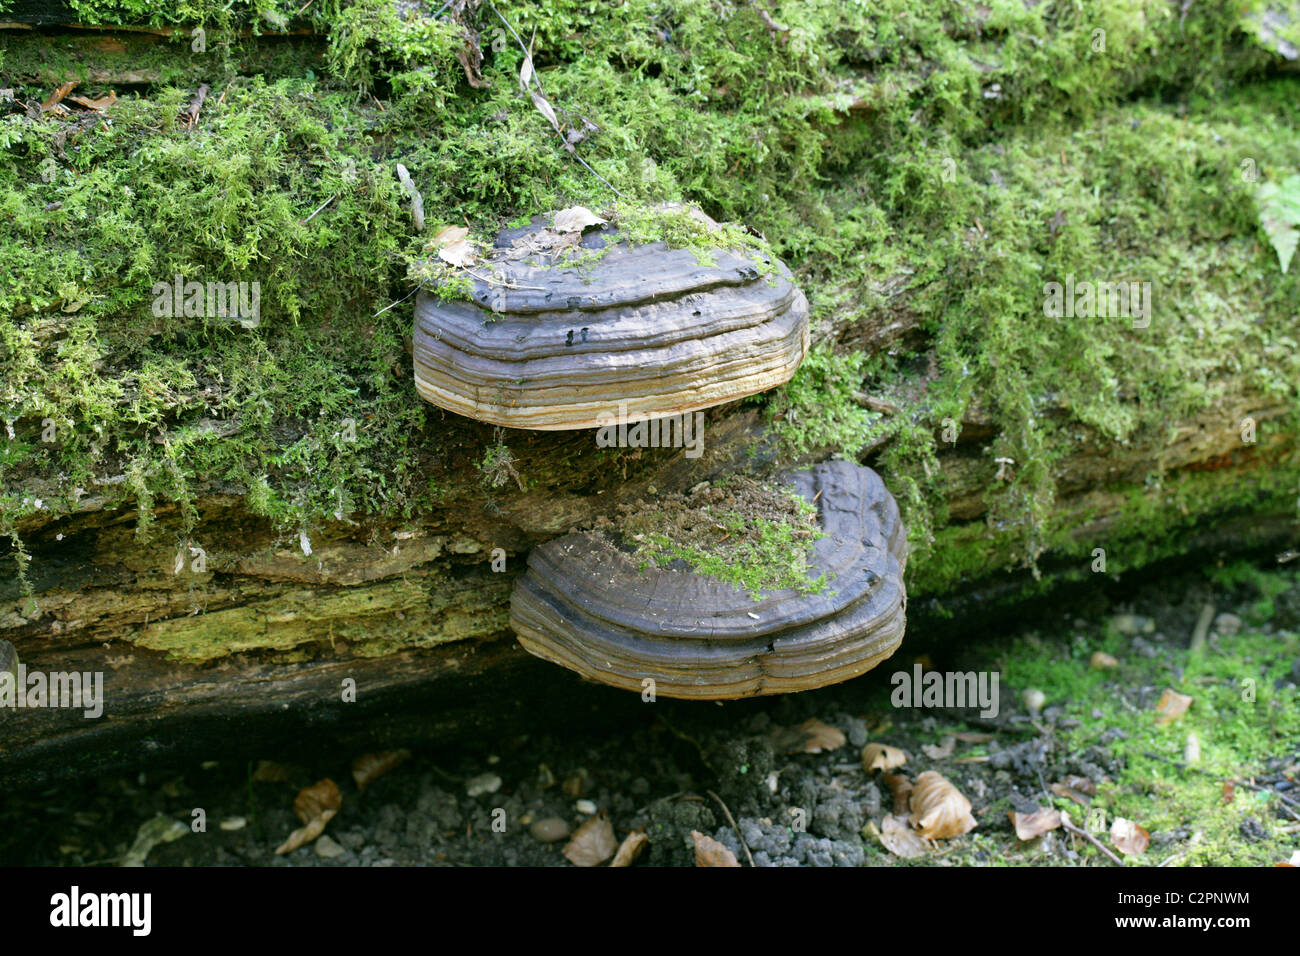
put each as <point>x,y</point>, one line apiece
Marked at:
<point>575,219</point>
<point>592,843</point>
<point>630,848</point>
<point>939,810</point>
<point>709,852</point>
<point>1171,706</point>
<point>1030,825</point>
<point>882,757</point>
<point>1129,838</point>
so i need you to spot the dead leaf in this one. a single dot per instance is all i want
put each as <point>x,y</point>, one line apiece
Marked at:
<point>1062,790</point>
<point>1129,838</point>
<point>1030,825</point>
<point>1229,791</point>
<point>592,843</point>
<point>544,108</point>
<point>901,788</point>
<point>526,73</point>
<point>313,801</point>
<point>53,100</point>
<point>1101,661</point>
<point>967,737</point>
<point>709,852</point>
<point>1171,706</point>
<point>900,839</point>
<point>882,757</point>
<point>576,219</point>
<point>941,752</point>
<point>268,771</point>
<point>630,848</point>
<point>315,806</point>
<point>1083,784</point>
<point>99,105</point>
<point>810,737</point>
<point>453,246</point>
<point>304,835</point>
<point>368,768</point>
<point>939,810</point>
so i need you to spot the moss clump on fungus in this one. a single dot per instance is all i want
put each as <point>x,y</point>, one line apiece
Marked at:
<point>980,151</point>
<point>755,535</point>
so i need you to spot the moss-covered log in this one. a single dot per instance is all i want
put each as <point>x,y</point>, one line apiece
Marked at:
<point>232,516</point>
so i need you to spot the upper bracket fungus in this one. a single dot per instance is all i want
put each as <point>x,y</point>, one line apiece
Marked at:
<point>589,603</point>
<point>566,330</point>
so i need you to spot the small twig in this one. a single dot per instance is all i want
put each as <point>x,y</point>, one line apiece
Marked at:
<point>1201,630</point>
<point>319,208</point>
<point>399,301</point>
<point>732,820</point>
<point>1091,839</point>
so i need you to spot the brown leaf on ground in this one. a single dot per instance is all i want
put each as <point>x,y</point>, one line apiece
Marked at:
<point>900,839</point>
<point>313,801</point>
<point>54,98</point>
<point>592,843</point>
<point>810,737</point>
<point>1229,791</point>
<point>1030,825</point>
<point>1171,706</point>
<point>942,751</point>
<point>305,834</point>
<point>99,104</point>
<point>709,852</point>
<point>901,788</point>
<point>1084,785</point>
<point>967,737</point>
<point>1129,838</point>
<point>939,810</point>
<point>1061,790</point>
<point>882,757</point>
<point>368,768</point>
<point>268,771</point>
<point>630,848</point>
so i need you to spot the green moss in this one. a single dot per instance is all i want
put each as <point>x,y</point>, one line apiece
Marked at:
<point>977,151</point>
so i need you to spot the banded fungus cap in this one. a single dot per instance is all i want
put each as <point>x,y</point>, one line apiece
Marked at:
<point>642,332</point>
<point>594,608</point>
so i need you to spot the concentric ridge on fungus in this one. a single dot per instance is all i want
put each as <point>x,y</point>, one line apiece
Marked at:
<point>644,331</point>
<point>588,605</point>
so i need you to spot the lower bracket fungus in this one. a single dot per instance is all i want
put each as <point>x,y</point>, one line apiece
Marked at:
<point>591,603</point>
<point>571,330</point>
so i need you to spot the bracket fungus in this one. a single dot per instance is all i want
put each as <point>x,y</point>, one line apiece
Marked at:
<point>549,341</point>
<point>589,604</point>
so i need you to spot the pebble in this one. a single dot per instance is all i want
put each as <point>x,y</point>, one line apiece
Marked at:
<point>234,823</point>
<point>549,830</point>
<point>1227,625</point>
<point>1101,661</point>
<point>1035,698</point>
<point>1132,624</point>
<point>585,806</point>
<point>327,849</point>
<point>483,783</point>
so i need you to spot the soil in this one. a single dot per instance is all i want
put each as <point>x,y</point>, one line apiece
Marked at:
<point>687,766</point>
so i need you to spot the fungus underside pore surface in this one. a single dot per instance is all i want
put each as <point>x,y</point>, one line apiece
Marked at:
<point>756,535</point>
<point>971,153</point>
